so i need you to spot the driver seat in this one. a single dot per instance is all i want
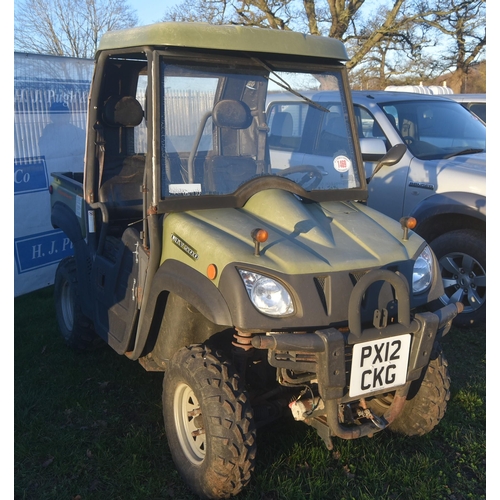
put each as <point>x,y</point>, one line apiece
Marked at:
<point>224,173</point>
<point>122,174</point>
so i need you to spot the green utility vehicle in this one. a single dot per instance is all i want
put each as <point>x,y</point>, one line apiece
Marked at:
<point>260,291</point>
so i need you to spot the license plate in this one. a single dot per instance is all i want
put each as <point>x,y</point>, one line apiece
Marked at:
<point>379,364</point>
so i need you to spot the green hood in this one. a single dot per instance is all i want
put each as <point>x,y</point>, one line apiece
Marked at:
<point>303,237</point>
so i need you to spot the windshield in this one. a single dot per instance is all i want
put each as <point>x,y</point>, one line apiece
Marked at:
<point>216,135</point>
<point>436,129</point>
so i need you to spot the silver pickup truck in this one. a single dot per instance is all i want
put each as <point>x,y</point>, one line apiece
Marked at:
<point>440,180</point>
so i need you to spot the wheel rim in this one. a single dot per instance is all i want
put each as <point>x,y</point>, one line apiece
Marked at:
<point>67,306</point>
<point>381,403</point>
<point>464,281</point>
<point>189,424</point>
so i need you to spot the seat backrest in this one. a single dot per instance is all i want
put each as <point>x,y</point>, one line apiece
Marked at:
<point>335,125</point>
<point>232,114</point>
<point>122,111</point>
<point>121,187</point>
<point>224,173</point>
<point>122,173</point>
<point>393,121</point>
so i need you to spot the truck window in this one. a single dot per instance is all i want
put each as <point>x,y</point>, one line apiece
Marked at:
<point>436,129</point>
<point>286,124</point>
<point>216,134</point>
<point>479,109</point>
<point>332,136</point>
<point>368,127</point>
<point>325,133</point>
<point>186,100</point>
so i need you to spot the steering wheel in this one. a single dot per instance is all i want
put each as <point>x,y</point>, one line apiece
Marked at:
<point>311,178</point>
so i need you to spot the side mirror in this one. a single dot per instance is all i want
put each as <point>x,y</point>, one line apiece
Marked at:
<point>372,149</point>
<point>390,158</point>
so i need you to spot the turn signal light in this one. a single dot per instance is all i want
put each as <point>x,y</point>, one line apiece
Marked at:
<point>259,236</point>
<point>407,223</point>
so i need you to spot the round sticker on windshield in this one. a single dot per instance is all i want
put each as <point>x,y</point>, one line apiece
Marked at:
<point>341,164</point>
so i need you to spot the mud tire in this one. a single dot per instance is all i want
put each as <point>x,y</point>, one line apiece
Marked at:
<point>426,402</point>
<point>202,395</point>
<point>76,328</point>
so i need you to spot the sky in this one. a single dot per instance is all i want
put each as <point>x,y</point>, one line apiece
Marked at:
<point>148,11</point>
<point>151,11</point>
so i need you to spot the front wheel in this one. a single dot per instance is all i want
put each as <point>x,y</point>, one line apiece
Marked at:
<point>208,422</point>
<point>426,402</point>
<point>462,261</point>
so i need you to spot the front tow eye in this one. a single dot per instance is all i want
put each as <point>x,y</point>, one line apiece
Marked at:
<point>365,412</point>
<point>259,236</point>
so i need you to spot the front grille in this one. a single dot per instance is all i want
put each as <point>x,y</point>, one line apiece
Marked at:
<point>321,283</point>
<point>356,276</point>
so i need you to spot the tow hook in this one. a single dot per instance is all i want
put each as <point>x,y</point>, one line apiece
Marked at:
<point>365,412</point>
<point>377,421</point>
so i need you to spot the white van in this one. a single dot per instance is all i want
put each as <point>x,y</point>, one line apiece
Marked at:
<point>475,103</point>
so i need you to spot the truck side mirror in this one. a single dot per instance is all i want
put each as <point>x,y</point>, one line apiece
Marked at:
<point>372,149</point>
<point>390,158</point>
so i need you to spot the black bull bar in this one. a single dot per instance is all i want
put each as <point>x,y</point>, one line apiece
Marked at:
<point>329,348</point>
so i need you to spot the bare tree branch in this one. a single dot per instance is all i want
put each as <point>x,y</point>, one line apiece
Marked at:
<point>68,27</point>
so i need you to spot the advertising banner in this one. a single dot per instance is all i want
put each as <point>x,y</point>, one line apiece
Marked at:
<point>50,112</point>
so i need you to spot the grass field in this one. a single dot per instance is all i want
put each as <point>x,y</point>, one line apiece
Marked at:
<point>89,426</point>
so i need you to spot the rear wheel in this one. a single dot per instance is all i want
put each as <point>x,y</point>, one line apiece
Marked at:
<point>76,329</point>
<point>208,422</point>
<point>427,399</point>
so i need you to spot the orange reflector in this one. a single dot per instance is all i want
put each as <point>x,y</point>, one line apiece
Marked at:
<point>212,271</point>
<point>408,222</point>
<point>411,222</point>
<point>260,235</point>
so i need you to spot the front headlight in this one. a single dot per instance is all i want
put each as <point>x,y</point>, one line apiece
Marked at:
<point>267,295</point>
<point>423,271</point>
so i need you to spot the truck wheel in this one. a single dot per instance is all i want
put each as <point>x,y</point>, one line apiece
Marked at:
<point>208,422</point>
<point>77,330</point>
<point>427,399</point>
<point>462,260</point>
